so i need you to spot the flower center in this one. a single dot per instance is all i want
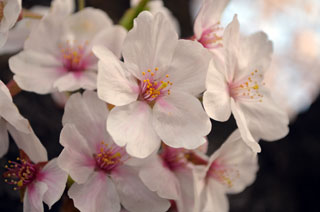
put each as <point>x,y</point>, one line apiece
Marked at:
<point>248,89</point>
<point>151,87</point>
<point>109,157</point>
<point>20,173</point>
<point>75,58</point>
<point>224,175</point>
<point>211,38</point>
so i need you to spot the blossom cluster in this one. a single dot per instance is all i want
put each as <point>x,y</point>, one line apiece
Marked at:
<point>137,108</point>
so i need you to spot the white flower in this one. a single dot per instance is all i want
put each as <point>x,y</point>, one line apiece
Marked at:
<point>19,128</point>
<point>37,182</point>
<point>172,175</point>
<point>102,172</point>
<point>236,85</point>
<point>155,90</point>
<point>230,170</point>
<point>207,29</point>
<point>9,14</point>
<point>57,55</point>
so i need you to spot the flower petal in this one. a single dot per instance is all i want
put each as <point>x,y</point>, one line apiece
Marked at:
<point>115,84</point>
<point>98,194</point>
<point>134,195</point>
<point>4,139</point>
<point>159,178</point>
<point>74,81</point>
<point>243,127</point>
<point>150,43</point>
<point>189,66</point>
<point>131,125</point>
<point>180,120</point>
<point>55,178</point>
<point>76,157</point>
<point>33,196</point>
<point>209,14</point>
<point>88,114</point>
<point>29,143</point>
<point>215,198</point>
<point>216,100</point>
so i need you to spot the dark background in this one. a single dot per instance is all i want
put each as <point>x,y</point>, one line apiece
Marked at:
<point>289,175</point>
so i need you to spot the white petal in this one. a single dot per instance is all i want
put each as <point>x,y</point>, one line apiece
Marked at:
<point>98,194</point>
<point>35,71</point>
<point>237,157</point>
<point>88,114</point>
<point>150,43</point>
<point>189,66</point>
<point>266,119</point>
<point>216,199</point>
<point>11,12</point>
<point>55,178</point>
<point>159,178</point>
<point>216,100</point>
<point>134,195</point>
<point>112,38</point>
<point>243,127</point>
<point>209,14</point>
<point>32,201</point>
<point>4,139</point>
<point>29,143</point>
<point>74,81</point>
<point>62,7</point>
<point>115,84</point>
<point>180,120</point>
<point>131,125</point>
<point>186,201</point>
<point>76,157</point>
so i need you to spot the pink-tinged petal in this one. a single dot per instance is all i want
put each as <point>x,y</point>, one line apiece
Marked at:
<point>115,84</point>
<point>188,68</point>
<point>98,194</point>
<point>186,200</point>
<point>243,127</point>
<point>236,162</point>
<point>255,54</point>
<point>134,195</point>
<point>4,139</point>
<point>131,125</point>
<point>29,143</point>
<point>180,120</point>
<point>76,157</point>
<point>32,201</point>
<point>159,178</point>
<point>231,42</point>
<point>85,24</point>
<point>214,198</point>
<point>55,178</point>
<point>88,114</point>
<point>216,100</point>
<point>112,38</point>
<point>9,111</point>
<point>35,71</point>
<point>209,15</point>
<point>74,81</point>
<point>150,44</point>
<point>266,119</point>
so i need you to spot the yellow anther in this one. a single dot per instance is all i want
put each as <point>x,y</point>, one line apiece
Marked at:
<point>256,87</point>
<point>167,75</point>
<point>149,70</point>
<point>143,73</point>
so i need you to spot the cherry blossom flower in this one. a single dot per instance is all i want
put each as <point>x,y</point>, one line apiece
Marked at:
<point>19,128</point>
<point>171,175</point>
<point>37,182</point>
<point>19,34</point>
<point>57,55</point>
<point>154,90</point>
<point>230,170</point>
<point>207,28</point>
<point>9,13</point>
<point>237,86</point>
<point>101,170</point>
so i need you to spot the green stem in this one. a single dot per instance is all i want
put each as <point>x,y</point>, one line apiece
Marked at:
<point>81,4</point>
<point>127,19</point>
